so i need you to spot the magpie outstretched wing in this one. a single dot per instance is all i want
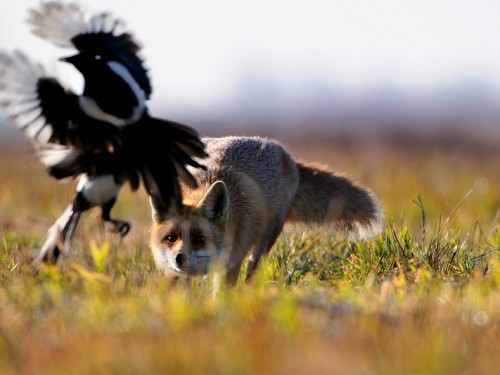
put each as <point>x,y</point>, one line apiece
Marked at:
<point>100,35</point>
<point>48,113</point>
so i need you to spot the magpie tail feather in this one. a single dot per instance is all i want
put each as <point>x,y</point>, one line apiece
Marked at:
<point>166,150</point>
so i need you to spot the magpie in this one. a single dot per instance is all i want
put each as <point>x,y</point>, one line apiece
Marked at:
<point>35,101</point>
<point>105,135</point>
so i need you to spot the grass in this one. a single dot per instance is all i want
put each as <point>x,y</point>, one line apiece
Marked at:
<point>422,298</point>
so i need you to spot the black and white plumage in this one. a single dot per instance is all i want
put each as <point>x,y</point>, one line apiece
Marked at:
<point>39,106</point>
<point>105,134</point>
<point>116,87</point>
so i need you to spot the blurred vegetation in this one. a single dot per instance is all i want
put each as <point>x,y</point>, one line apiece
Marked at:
<point>423,297</point>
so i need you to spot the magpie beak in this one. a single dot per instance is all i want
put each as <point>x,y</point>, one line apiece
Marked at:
<point>70,59</point>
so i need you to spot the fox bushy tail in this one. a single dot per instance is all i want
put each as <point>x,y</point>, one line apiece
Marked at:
<point>326,197</point>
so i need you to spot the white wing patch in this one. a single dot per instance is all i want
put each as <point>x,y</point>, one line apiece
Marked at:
<point>92,109</point>
<point>123,72</point>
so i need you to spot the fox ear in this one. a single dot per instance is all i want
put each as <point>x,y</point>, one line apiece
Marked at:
<point>160,209</point>
<point>215,204</point>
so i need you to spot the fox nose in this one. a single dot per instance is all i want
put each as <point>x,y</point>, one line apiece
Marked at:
<point>181,258</point>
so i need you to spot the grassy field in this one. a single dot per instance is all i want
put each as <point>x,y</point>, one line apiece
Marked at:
<point>422,298</point>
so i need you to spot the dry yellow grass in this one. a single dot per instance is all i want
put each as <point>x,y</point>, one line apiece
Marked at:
<point>413,301</point>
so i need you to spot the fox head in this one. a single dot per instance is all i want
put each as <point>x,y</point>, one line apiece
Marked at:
<point>188,240</point>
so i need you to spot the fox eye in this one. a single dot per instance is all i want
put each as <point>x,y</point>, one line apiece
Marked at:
<point>97,57</point>
<point>198,240</point>
<point>171,238</point>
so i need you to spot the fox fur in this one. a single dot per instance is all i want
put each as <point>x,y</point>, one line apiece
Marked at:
<point>250,188</point>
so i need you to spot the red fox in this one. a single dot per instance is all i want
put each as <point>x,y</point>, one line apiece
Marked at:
<point>250,188</point>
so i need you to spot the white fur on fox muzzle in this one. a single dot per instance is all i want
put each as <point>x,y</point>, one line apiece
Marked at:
<point>166,262</point>
<point>195,263</point>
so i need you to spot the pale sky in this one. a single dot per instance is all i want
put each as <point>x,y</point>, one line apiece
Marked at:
<point>199,50</point>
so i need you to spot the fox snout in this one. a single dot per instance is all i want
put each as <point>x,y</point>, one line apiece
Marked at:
<point>187,263</point>
<point>185,247</point>
<point>181,259</point>
<point>182,263</point>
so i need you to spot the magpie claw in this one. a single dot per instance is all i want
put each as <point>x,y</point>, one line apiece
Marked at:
<point>52,255</point>
<point>120,227</point>
<point>123,229</point>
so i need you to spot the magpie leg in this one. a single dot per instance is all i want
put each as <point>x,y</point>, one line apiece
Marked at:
<point>117,226</point>
<point>69,231</point>
<point>57,242</point>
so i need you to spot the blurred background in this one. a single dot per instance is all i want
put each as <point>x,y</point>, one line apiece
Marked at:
<point>420,71</point>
